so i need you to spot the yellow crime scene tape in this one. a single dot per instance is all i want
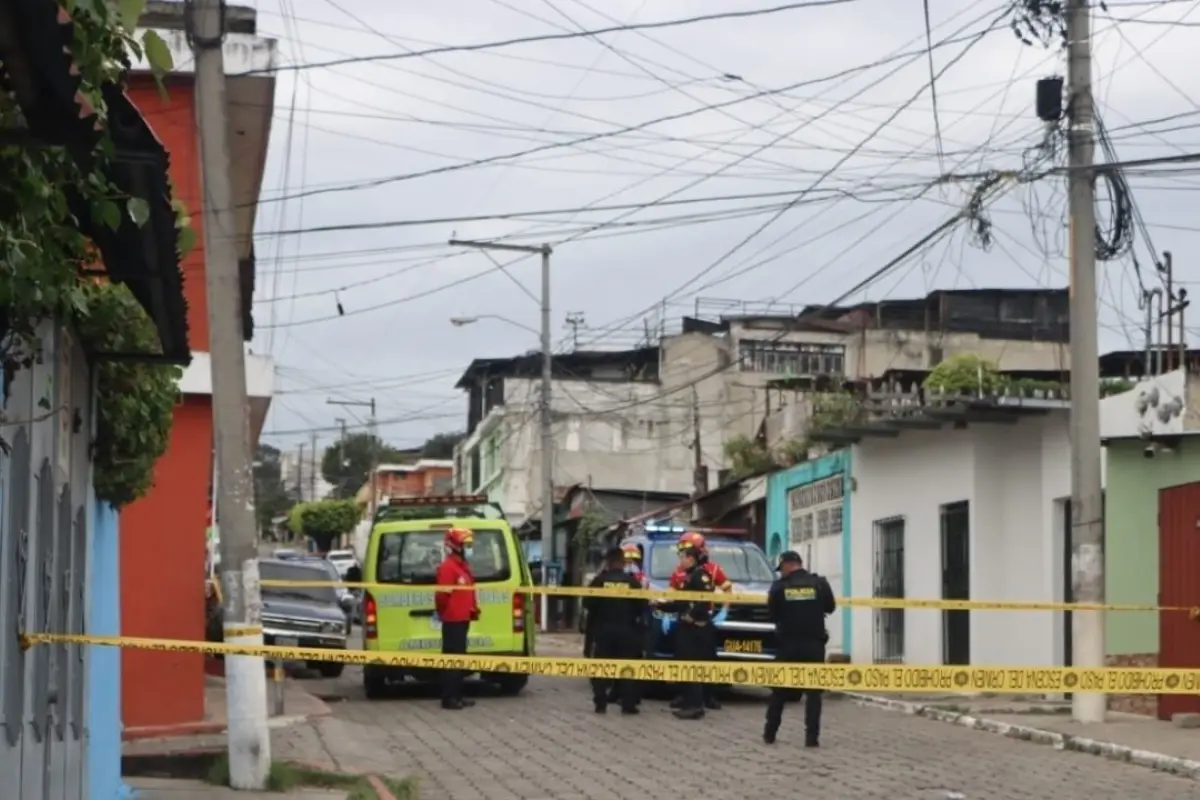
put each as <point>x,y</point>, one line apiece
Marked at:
<point>834,677</point>
<point>735,598</point>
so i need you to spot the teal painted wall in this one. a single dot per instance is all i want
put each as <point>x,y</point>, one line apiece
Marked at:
<point>1131,536</point>
<point>778,485</point>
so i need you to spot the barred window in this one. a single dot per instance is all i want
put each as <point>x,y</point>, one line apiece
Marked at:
<point>792,358</point>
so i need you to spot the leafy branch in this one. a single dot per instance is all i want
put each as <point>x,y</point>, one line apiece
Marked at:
<point>135,401</point>
<point>43,250</point>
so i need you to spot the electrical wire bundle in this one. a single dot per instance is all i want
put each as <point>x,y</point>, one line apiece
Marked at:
<point>1040,21</point>
<point>1118,239</point>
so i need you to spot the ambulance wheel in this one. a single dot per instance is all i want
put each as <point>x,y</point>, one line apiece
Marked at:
<point>374,683</point>
<point>511,684</point>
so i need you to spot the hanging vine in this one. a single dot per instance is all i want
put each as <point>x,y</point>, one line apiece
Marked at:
<point>42,251</point>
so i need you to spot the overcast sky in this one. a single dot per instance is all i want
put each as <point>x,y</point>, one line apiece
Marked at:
<point>835,187</point>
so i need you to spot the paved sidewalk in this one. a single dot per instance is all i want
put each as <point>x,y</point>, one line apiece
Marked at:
<point>170,789</point>
<point>1132,738</point>
<point>299,704</point>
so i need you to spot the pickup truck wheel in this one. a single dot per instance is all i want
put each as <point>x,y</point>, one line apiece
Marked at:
<point>511,684</point>
<point>328,669</point>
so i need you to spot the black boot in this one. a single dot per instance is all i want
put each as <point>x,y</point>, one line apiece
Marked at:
<point>812,740</point>
<point>769,734</point>
<point>712,704</point>
<point>689,713</point>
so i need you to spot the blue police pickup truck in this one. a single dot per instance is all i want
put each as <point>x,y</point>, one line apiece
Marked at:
<point>745,632</point>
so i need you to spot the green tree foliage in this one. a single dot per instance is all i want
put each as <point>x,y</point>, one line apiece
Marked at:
<point>965,374</point>
<point>324,521</point>
<point>134,401</point>
<point>346,462</point>
<point>746,456</point>
<point>272,498</point>
<point>42,249</point>
<point>441,445</point>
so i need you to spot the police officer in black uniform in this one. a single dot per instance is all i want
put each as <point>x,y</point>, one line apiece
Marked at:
<point>693,639</point>
<point>798,603</point>
<point>613,629</point>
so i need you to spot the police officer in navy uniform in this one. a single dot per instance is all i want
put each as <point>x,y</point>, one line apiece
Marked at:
<point>798,603</point>
<point>613,627</point>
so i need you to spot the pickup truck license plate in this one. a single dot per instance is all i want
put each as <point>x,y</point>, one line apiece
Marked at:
<point>287,641</point>
<point>754,646</point>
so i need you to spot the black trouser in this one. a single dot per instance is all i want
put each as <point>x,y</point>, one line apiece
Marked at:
<point>798,653</point>
<point>692,643</point>
<point>454,643</point>
<point>615,642</point>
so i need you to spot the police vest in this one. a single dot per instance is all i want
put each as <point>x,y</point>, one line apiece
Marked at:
<point>803,615</point>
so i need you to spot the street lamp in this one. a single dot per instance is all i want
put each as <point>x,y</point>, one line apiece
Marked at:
<point>461,322</point>
<point>544,250</point>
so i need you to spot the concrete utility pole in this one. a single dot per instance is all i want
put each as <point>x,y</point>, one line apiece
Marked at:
<point>300,471</point>
<point>1087,507</point>
<point>312,468</point>
<point>371,430</point>
<point>249,740</point>
<point>545,415</point>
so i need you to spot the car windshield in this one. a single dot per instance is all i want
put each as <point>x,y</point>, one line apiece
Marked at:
<point>269,571</point>
<point>743,563</point>
<point>414,556</point>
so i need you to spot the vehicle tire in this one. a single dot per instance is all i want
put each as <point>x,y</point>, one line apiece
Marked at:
<point>511,684</point>
<point>374,683</point>
<point>330,669</point>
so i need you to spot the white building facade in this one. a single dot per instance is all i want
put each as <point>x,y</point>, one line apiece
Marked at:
<point>975,512</point>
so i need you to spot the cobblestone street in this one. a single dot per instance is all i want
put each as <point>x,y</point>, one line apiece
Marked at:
<point>548,745</point>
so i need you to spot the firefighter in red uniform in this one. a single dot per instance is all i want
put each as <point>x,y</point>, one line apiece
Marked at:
<point>457,609</point>
<point>694,541</point>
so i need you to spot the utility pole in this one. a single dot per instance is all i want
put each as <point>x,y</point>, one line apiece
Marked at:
<point>699,471</point>
<point>1087,509</point>
<point>545,416</point>
<point>575,321</point>
<point>371,430</point>
<point>312,470</point>
<point>300,471</point>
<point>249,741</point>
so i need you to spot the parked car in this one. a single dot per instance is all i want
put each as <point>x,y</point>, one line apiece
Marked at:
<point>312,617</point>
<point>342,559</point>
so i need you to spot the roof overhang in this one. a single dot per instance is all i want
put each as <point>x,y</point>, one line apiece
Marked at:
<point>260,385</point>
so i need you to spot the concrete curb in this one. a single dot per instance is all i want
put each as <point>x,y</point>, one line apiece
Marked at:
<point>1160,762</point>
<point>380,788</point>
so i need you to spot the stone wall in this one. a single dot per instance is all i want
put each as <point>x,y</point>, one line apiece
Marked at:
<point>1146,704</point>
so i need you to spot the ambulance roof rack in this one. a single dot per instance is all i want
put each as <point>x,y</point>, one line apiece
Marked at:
<point>459,506</point>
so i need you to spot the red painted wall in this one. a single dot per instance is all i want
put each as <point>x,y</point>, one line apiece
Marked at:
<point>163,534</point>
<point>162,576</point>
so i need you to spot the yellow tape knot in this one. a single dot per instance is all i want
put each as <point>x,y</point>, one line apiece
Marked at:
<point>1194,614</point>
<point>25,641</point>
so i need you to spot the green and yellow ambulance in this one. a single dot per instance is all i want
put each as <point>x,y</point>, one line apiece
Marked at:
<point>404,550</point>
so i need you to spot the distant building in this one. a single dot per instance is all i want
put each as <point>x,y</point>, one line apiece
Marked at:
<point>422,478</point>
<point>301,474</point>
<point>631,420</point>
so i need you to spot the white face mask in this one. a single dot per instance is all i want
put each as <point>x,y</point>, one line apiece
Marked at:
<point>468,552</point>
